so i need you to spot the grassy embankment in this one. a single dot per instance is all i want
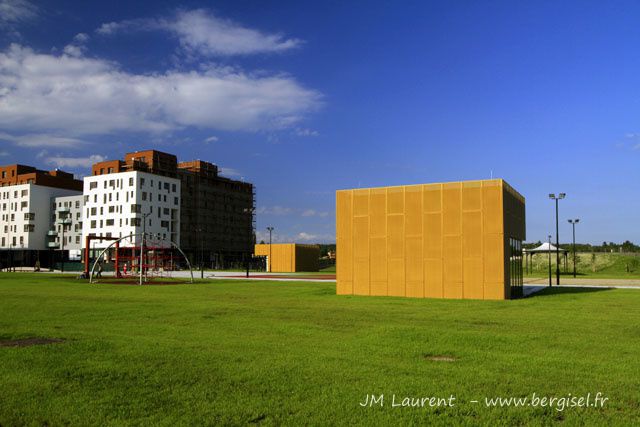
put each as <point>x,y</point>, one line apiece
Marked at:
<point>588,265</point>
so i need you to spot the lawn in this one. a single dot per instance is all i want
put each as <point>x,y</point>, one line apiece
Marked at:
<point>237,352</point>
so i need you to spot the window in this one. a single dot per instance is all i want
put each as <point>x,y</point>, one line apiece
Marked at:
<point>25,193</point>
<point>141,182</point>
<point>29,216</point>
<point>77,239</point>
<point>93,223</point>
<point>29,228</point>
<point>109,223</point>
<point>175,201</point>
<point>86,199</point>
<point>94,211</point>
<point>135,222</point>
<point>144,195</point>
<point>131,182</point>
<point>24,205</point>
<point>159,197</point>
<point>166,211</point>
<point>173,188</point>
<point>112,209</point>
<point>515,267</point>
<point>77,204</point>
<point>166,186</point>
<point>164,224</point>
<point>136,208</point>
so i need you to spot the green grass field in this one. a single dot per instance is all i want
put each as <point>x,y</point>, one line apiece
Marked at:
<point>588,265</point>
<point>236,352</point>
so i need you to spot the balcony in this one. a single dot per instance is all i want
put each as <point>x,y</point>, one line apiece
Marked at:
<point>52,233</point>
<point>53,245</point>
<point>66,221</point>
<point>63,210</point>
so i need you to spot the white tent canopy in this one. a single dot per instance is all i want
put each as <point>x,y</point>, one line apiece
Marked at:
<point>545,247</point>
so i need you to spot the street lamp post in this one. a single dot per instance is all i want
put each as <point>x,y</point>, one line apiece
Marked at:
<point>552,196</point>
<point>62,250</point>
<point>549,247</point>
<point>201,233</point>
<point>144,230</point>
<point>573,222</point>
<point>270,231</point>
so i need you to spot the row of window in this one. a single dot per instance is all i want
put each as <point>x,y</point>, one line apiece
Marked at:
<point>69,239</point>
<point>135,222</point>
<point>14,206</point>
<point>28,216</point>
<point>23,193</point>
<point>67,204</point>
<point>117,183</point>
<point>13,241</point>
<point>164,235</point>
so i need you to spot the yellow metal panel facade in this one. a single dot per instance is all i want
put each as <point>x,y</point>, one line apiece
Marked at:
<point>290,257</point>
<point>446,240</point>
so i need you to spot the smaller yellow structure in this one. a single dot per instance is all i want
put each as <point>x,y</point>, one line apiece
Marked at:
<point>289,257</point>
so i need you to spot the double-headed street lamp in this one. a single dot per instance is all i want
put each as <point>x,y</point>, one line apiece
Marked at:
<point>556,198</point>
<point>270,231</point>
<point>573,222</point>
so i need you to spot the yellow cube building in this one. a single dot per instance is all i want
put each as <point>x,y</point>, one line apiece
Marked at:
<point>289,257</point>
<point>448,240</point>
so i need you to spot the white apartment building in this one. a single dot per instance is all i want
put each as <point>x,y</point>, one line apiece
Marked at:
<point>66,225</point>
<point>25,218</point>
<point>115,205</point>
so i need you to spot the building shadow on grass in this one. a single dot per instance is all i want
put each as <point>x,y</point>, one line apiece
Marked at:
<point>557,290</point>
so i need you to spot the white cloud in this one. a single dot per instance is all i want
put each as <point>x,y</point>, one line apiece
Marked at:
<point>274,210</point>
<point>207,34</point>
<point>211,139</point>
<point>75,95</point>
<point>313,212</point>
<point>281,210</point>
<point>41,140</point>
<point>200,31</point>
<point>14,11</point>
<point>302,237</point>
<point>75,162</point>
<point>77,47</point>
<point>230,172</point>
<point>306,132</point>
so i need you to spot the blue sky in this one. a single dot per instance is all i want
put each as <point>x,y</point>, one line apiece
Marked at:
<point>303,98</point>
